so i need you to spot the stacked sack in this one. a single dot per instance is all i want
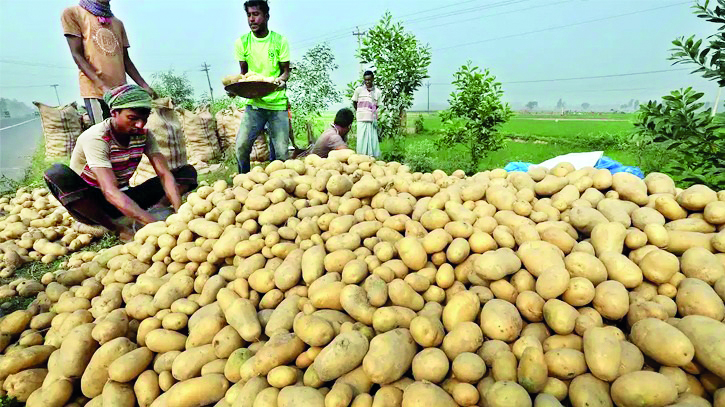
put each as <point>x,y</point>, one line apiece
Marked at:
<point>165,123</point>
<point>200,132</point>
<point>351,282</point>
<point>228,121</point>
<point>61,127</point>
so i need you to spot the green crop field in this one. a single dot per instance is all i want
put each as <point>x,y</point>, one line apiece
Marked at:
<point>530,138</point>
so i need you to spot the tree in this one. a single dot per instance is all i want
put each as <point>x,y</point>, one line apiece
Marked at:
<point>311,89</point>
<point>532,105</point>
<point>709,58</point>
<point>401,63</point>
<point>177,87</point>
<point>680,125</point>
<point>585,106</point>
<point>560,105</point>
<point>476,113</point>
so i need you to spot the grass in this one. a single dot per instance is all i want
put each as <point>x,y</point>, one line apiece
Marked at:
<point>6,401</point>
<point>35,269</point>
<point>33,177</point>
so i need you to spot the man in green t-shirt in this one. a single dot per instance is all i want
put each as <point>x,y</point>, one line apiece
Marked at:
<point>266,53</point>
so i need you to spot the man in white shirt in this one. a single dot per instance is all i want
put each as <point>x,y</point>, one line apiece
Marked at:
<point>365,100</point>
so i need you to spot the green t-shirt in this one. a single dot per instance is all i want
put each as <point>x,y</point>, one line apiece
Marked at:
<point>263,56</point>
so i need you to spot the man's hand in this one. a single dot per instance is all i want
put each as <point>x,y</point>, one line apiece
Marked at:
<point>281,83</point>
<point>151,92</point>
<point>108,184</point>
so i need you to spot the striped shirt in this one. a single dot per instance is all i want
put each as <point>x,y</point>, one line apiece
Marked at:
<point>367,103</point>
<point>98,148</point>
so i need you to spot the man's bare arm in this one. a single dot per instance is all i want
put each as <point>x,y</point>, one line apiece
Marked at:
<point>107,181</point>
<point>161,166</point>
<point>284,67</point>
<point>76,49</point>
<point>243,67</point>
<point>131,70</point>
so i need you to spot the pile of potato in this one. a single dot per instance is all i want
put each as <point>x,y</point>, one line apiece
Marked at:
<point>349,282</point>
<point>35,226</point>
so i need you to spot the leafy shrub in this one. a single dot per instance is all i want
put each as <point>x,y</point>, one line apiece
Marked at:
<point>419,125</point>
<point>475,115</point>
<point>680,125</point>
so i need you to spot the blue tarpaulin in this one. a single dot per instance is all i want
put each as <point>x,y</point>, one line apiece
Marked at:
<point>603,163</point>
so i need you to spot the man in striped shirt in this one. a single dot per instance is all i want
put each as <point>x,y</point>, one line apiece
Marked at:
<point>95,188</point>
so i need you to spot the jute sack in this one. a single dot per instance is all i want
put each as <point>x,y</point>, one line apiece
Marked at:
<point>61,127</point>
<point>200,133</point>
<point>260,148</point>
<point>166,127</point>
<point>227,123</point>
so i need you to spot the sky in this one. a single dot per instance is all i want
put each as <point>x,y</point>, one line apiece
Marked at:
<point>530,45</point>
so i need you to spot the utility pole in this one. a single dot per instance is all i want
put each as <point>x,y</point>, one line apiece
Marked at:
<point>717,102</point>
<point>427,85</point>
<point>359,35</point>
<point>56,93</point>
<point>205,68</point>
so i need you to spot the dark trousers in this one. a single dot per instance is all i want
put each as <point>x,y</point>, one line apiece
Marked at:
<point>68,187</point>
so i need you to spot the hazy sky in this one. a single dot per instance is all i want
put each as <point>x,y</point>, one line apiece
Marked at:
<point>518,40</point>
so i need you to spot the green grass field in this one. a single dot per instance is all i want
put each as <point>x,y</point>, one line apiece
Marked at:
<point>530,138</point>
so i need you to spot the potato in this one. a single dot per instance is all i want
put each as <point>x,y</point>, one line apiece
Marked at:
<point>602,353</point>
<point>532,370</point>
<point>198,391</point>
<point>21,385</point>
<point>495,265</point>
<point>507,393</point>
<point>390,355</point>
<point>162,340</point>
<point>147,388</point>
<point>422,394</point>
<point>611,300</point>
<point>565,363</point>
<point>696,297</point>
<point>343,354</point>
<point>552,282</point>
<point>581,264</point>
<point>500,320</point>
<point>658,266</point>
<point>587,390</point>
<point>118,394</point>
<point>128,366</point>
<point>643,388</point>
<point>504,366</point>
<point>15,322</point>
<point>698,262</point>
<point>696,197</point>
<point>96,374</point>
<point>76,351</point>
<point>531,306</point>
<point>465,337</point>
<point>412,253</point>
<point>427,331</point>
<point>57,393</point>
<point>701,331</point>
<point>188,364</point>
<point>294,396</point>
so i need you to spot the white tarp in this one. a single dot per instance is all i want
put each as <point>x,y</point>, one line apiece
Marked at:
<point>578,160</point>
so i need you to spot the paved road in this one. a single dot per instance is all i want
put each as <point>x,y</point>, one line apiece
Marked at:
<point>18,140</point>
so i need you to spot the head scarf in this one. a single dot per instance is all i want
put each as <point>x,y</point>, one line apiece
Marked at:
<point>99,8</point>
<point>127,97</point>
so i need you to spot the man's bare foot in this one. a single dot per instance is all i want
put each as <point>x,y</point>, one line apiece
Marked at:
<point>125,234</point>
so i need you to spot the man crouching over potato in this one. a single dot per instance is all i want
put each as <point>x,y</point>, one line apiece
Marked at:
<point>95,189</point>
